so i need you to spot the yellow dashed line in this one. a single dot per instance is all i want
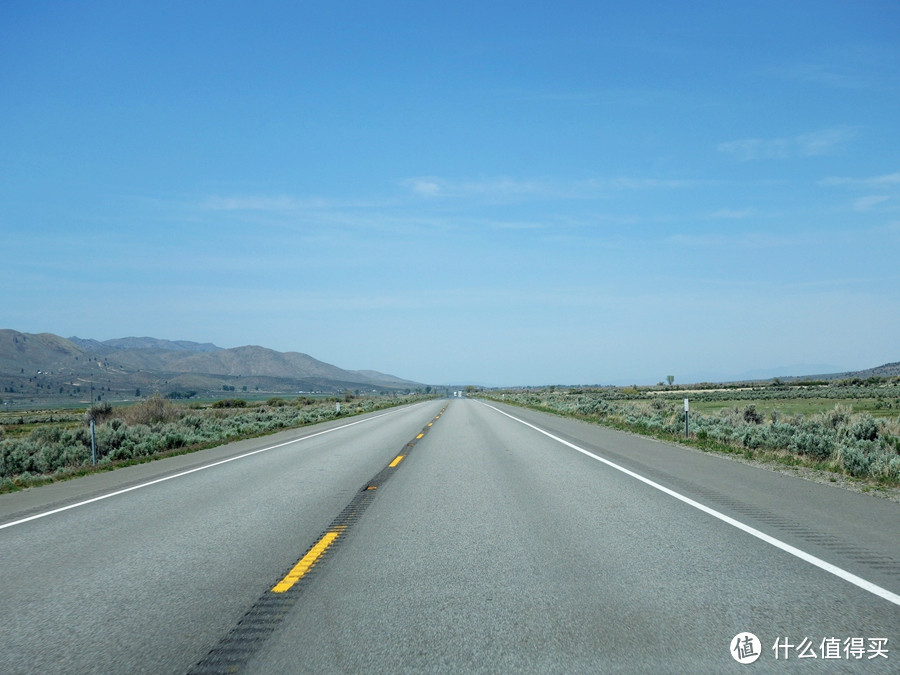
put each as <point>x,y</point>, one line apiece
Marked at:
<point>306,562</point>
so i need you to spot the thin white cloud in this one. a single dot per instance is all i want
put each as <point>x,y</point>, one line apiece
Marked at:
<point>619,97</point>
<point>503,187</point>
<point>889,229</point>
<point>852,66</point>
<point>813,144</point>
<point>495,188</point>
<point>507,189</point>
<point>424,186</point>
<point>515,225</point>
<point>889,179</point>
<point>866,203</point>
<point>802,239</point>
<point>838,77</point>
<point>279,203</point>
<point>625,183</point>
<point>886,185</point>
<point>824,141</point>
<point>730,214</point>
<point>740,240</point>
<point>756,148</point>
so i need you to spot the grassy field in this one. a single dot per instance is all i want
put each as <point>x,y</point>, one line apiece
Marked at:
<point>40,446</point>
<point>797,406</point>
<point>851,428</point>
<point>22,423</point>
<point>845,427</point>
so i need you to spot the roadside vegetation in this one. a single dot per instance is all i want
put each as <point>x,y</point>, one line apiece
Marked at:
<point>39,447</point>
<point>849,427</point>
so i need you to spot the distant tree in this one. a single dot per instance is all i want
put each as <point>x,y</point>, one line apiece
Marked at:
<point>137,392</point>
<point>670,379</point>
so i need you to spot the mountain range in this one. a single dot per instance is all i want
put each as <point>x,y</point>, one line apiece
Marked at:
<point>46,366</point>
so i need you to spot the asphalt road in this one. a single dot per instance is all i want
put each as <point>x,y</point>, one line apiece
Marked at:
<point>503,540</point>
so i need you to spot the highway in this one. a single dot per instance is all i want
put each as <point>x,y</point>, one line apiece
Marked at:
<point>448,536</point>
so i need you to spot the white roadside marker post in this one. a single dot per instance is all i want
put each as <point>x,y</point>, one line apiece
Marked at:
<point>686,423</point>
<point>93,445</point>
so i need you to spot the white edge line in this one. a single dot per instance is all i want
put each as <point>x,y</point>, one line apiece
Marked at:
<point>189,471</point>
<point>777,543</point>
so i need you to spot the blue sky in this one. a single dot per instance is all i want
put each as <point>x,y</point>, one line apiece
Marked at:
<point>496,193</point>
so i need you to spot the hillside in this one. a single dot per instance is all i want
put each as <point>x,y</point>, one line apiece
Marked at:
<point>887,370</point>
<point>144,343</point>
<point>46,367</point>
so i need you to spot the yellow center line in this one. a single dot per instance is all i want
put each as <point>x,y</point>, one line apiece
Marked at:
<point>306,562</point>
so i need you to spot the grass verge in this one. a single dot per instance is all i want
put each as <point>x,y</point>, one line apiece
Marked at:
<point>57,447</point>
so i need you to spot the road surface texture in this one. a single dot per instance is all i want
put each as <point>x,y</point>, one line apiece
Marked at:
<point>448,536</point>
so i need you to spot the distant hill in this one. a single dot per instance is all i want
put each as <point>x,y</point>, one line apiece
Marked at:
<point>46,366</point>
<point>887,370</point>
<point>144,343</point>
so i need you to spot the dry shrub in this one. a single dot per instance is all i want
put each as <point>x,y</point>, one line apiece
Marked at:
<point>99,412</point>
<point>837,417</point>
<point>154,409</point>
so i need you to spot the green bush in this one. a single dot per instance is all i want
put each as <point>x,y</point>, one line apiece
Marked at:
<point>817,446</point>
<point>779,435</point>
<point>865,428</point>
<point>753,437</point>
<point>230,403</point>
<point>856,460</point>
<point>885,465</point>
